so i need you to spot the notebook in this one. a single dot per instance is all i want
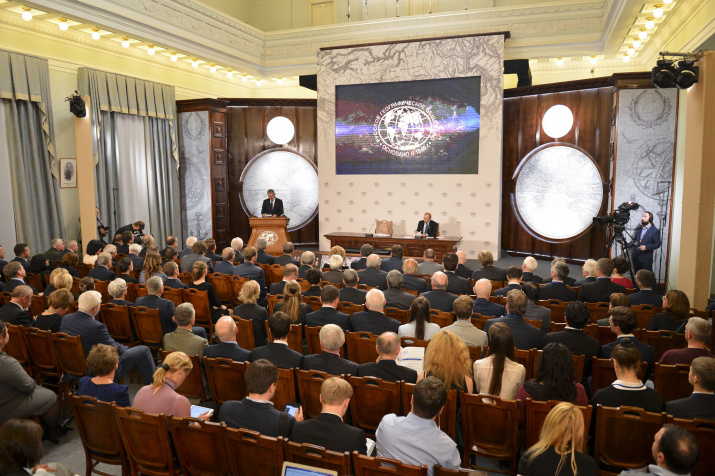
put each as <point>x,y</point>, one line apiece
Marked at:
<point>295,469</point>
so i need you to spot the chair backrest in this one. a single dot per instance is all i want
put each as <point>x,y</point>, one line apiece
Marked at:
<point>704,432</point>
<point>272,301</point>
<point>317,456</point>
<point>312,336</point>
<point>369,466</point>
<point>491,424</point>
<point>372,399</point>
<point>226,379</point>
<point>349,307</point>
<point>383,227</point>
<point>496,285</point>
<point>146,441</point>
<point>603,373</point>
<point>193,386</point>
<point>536,413</point>
<point>41,352</point>
<point>83,269</point>
<point>304,284</point>
<point>441,318</point>
<point>671,381</point>
<point>102,287</point>
<point>200,300</point>
<point>295,337</point>
<point>285,389</point>
<point>631,424</point>
<point>440,471</point>
<point>579,361</point>
<point>274,273</point>
<point>361,347</point>
<point>605,335</point>
<point>597,310</point>
<point>402,315</point>
<point>413,342</point>
<point>147,325</point>
<point>644,314</point>
<point>534,322</point>
<point>447,420</point>
<point>37,306</point>
<point>5,297</point>
<point>314,302</point>
<point>309,383</point>
<point>524,357</point>
<point>557,309</point>
<point>237,283</point>
<point>476,352</point>
<point>200,446</point>
<point>245,337</point>
<point>35,280</point>
<point>479,321</point>
<point>221,285</point>
<point>70,354</point>
<point>118,322</point>
<point>17,348</point>
<point>140,290</point>
<point>173,295</point>
<point>252,454</point>
<point>186,277</point>
<point>663,341</point>
<point>98,431</point>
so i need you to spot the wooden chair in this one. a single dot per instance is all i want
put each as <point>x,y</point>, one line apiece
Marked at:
<point>295,337</point>
<point>36,281</point>
<point>704,432</point>
<point>17,348</point>
<point>236,283</point>
<point>186,277</point>
<point>671,381</point>
<point>663,341</point>
<point>409,291</point>
<point>200,446</point>
<point>46,368</point>
<point>440,471</point>
<point>413,342</point>
<point>579,361</point>
<point>479,321</point>
<point>524,357</point>
<point>365,287</point>
<point>99,434</point>
<point>644,314</point>
<point>605,335</point>
<point>476,352</point>
<point>285,389</point>
<point>140,290</point>
<point>83,269</point>
<point>274,273</point>
<point>557,309</point>
<point>304,284</point>
<point>309,382</point>
<point>312,336</point>
<point>401,315</point>
<point>603,374</point>
<point>221,285</point>
<point>312,455</point>
<point>447,420</point>
<point>536,413</point>
<point>226,379</point>
<point>314,302</point>
<point>147,325</point>
<point>492,426</point>
<point>272,301</point>
<point>372,399</point>
<point>5,297</point>
<point>441,318</point>
<point>102,287</point>
<point>383,227</point>
<point>534,322</point>
<point>349,307</point>
<point>377,466</point>
<point>252,454</point>
<point>146,441</point>
<point>118,322</point>
<point>193,386</point>
<point>200,300</point>
<point>173,295</point>
<point>614,426</point>
<point>597,310</point>
<point>245,337</point>
<point>496,285</point>
<point>361,347</point>
<point>37,306</point>
<point>70,354</point>
<point>131,293</point>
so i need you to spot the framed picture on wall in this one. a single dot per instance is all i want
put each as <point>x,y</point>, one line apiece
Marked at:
<point>68,173</point>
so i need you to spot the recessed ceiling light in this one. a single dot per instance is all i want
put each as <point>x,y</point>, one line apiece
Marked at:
<point>649,24</point>
<point>258,82</point>
<point>244,78</point>
<point>626,58</point>
<point>631,51</point>
<point>174,57</point>
<point>212,68</point>
<point>63,24</point>
<point>150,50</point>
<point>125,42</point>
<point>26,13</point>
<point>229,73</point>
<point>643,34</point>
<point>559,61</point>
<point>195,63</point>
<point>95,33</point>
<point>593,60</point>
<point>637,44</point>
<point>658,12</point>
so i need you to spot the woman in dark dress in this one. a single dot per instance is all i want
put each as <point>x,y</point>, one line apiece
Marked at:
<point>58,305</point>
<point>40,265</point>
<point>250,292</point>
<point>103,361</point>
<point>69,261</point>
<point>293,304</point>
<point>677,311</point>
<point>199,271</point>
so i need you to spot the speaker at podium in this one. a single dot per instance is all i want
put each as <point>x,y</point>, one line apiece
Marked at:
<point>273,229</point>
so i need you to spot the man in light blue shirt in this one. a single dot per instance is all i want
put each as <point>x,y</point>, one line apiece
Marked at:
<point>675,450</point>
<point>416,439</point>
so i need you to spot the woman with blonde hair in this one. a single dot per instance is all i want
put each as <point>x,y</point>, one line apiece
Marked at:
<point>293,304</point>
<point>447,358</point>
<point>51,280</point>
<point>336,250</point>
<point>558,450</point>
<point>199,272</point>
<point>248,309</point>
<point>498,374</point>
<point>152,267</point>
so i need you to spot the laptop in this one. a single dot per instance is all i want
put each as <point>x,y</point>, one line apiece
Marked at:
<point>295,469</point>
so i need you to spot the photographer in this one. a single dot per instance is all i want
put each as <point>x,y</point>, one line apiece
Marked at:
<point>646,239</point>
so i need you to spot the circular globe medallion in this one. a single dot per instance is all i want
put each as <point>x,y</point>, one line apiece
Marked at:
<point>404,128</point>
<point>270,237</point>
<point>558,191</point>
<point>294,179</point>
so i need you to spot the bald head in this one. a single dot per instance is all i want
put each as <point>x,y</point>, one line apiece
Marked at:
<point>483,288</point>
<point>375,300</point>
<point>462,257</point>
<point>373,261</point>
<point>439,280</point>
<point>388,346</point>
<point>226,329</point>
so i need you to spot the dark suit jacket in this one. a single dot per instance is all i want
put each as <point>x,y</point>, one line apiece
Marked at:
<point>526,336</point>
<point>251,271</point>
<point>490,272</point>
<point>599,291</point>
<point>183,253</point>
<point>90,330</point>
<point>333,276</point>
<point>302,270</point>
<point>414,283</point>
<point>128,279</point>
<point>398,298</point>
<point>503,291</point>
<point>431,228</point>
<point>359,264</point>
<point>528,276</point>
<point>577,343</point>
<point>238,257</point>
<point>440,299</point>
<point>263,257</point>
<point>464,272</point>
<point>229,350</point>
<point>557,291</point>
<point>137,260</point>
<point>697,405</point>
<point>13,314</point>
<point>225,267</point>
<point>647,353</point>
<point>15,282</point>
<point>277,288</point>
<point>72,270</point>
<point>25,264</point>
<point>174,283</point>
<point>567,280</point>
<point>328,315</point>
<point>486,308</point>
<point>646,296</point>
<point>374,322</point>
<point>213,256</point>
<point>280,354</point>
<point>285,259</point>
<point>313,291</point>
<point>651,241</point>
<point>332,364</point>
<point>390,263</point>
<point>387,370</point>
<point>456,284</point>
<point>187,262</point>
<point>589,279</point>
<point>276,209</point>
<point>102,273</point>
<point>256,416</point>
<point>539,313</point>
<point>353,295</point>
<point>373,277</point>
<point>329,431</point>
<point>166,310</point>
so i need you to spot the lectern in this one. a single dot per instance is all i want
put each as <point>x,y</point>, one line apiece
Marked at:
<point>272,229</point>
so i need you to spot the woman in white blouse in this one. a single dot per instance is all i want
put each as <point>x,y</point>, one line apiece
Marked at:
<point>498,373</point>
<point>419,326</point>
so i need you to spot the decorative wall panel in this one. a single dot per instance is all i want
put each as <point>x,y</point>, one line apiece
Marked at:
<point>195,174</point>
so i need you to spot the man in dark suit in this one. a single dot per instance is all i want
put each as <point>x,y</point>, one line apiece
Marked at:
<point>332,339</point>
<point>373,275</point>
<point>15,312</point>
<point>409,280</point>
<point>438,297</point>
<point>287,256</point>
<point>394,295</point>
<point>153,300</point>
<point>427,227</point>
<point>482,305</point>
<point>83,323</point>
<point>171,270</point>
<point>557,289</point>
<point>533,310</point>
<point>189,245</point>
<point>22,255</point>
<point>394,261</point>
<point>262,257</point>
<point>290,273</point>
<point>645,280</point>
<point>15,274</point>
<point>227,331</point>
<point>328,429</point>
<point>226,266</point>
<point>211,250</point>
<point>121,241</point>
<point>526,336</point>
<point>623,322</point>
<point>528,267</point>
<point>101,272</point>
<point>272,206</point>
<point>249,270</point>
<point>513,276</point>
<point>335,273</point>
<point>603,287</point>
<point>136,229</point>
<point>278,351</point>
<point>198,253</point>
<point>386,368</point>
<point>488,270</point>
<point>137,261</point>
<point>588,271</point>
<point>462,270</point>
<point>237,245</point>
<point>365,251</point>
<point>455,284</point>
<point>171,242</point>
<point>566,279</point>
<point>646,240</point>
<point>256,412</point>
<point>373,319</point>
<point>349,292</point>
<point>701,404</point>
<point>307,259</point>
<point>328,314</point>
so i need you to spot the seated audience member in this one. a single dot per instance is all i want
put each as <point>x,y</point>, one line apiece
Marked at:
<point>51,280</point>
<point>124,268</point>
<point>86,284</point>
<point>101,271</point>
<point>602,288</point>
<point>428,264</point>
<point>248,309</point>
<point>373,318</point>
<point>249,269</point>
<point>335,275</point>
<point>225,265</point>
<point>340,251</point>
<point>328,314</point>
<point>438,297</point>
<point>533,310</point>
<point>488,270</point>
<point>620,268</point>
<point>616,300</point>
<point>394,295</point>
<point>127,239</point>
<point>102,362</point>
<point>645,295</point>
<point>513,276</point>
<point>372,275</point>
<point>418,326</point>
<point>170,255</point>
<point>528,267</point>
<point>573,337</point>
<point>22,255</point>
<point>71,246</point>
<point>58,304</point>
<point>93,249</point>
<point>153,300</point>
<point>314,277</point>
<point>287,256</point>
<point>112,250</point>
<point>701,403</point>
<point>463,327</point>
<point>69,262</point>
<point>557,288</point>
<point>256,412</point>
<point>198,254</point>
<point>183,338</point>
<point>237,245</point>
<point>172,242</point>
<point>482,305</point>
<point>526,336</point>
<point>21,450</point>
<point>171,270</point>
<point>261,255</point>
<point>293,304</point>
<point>189,245</point>
<point>462,269</point>
<point>675,451</point>
<point>83,323</point>
<point>198,273</point>
<point>137,261</point>
<point>386,368</point>
<point>566,280</point>
<point>62,281</point>
<point>588,272</point>
<point>40,265</point>
<point>455,283</point>
<point>290,273</point>
<point>146,242</point>
<point>623,322</point>
<point>697,332</point>
<point>394,261</point>
<point>365,251</point>
<point>278,351</point>
<point>21,396</point>
<point>307,260</point>
<point>226,331</point>
<point>403,438</point>
<point>409,280</point>
<point>54,252</point>
<point>628,389</point>
<point>16,311</point>
<point>332,339</point>
<point>328,429</point>
<point>160,396</point>
<point>15,274</point>
<point>349,292</point>
<point>447,358</point>
<point>498,373</point>
<point>677,310</point>
<point>211,250</point>
<point>118,290</point>
<point>559,445</point>
<point>152,267</point>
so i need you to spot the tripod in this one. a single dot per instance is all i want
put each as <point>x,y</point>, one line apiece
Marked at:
<point>617,236</point>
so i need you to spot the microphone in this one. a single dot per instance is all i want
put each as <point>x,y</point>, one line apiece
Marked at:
<point>368,234</point>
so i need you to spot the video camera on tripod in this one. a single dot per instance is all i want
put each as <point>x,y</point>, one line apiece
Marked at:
<point>619,217</point>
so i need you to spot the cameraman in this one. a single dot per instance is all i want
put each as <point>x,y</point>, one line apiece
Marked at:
<point>647,239</point>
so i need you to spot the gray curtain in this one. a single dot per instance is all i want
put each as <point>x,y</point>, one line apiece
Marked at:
<point>25,94</point>
<point>112,94</point>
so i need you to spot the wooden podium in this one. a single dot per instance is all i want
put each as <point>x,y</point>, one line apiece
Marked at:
<point>272,229</point>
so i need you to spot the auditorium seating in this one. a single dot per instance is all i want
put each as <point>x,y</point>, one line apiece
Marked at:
<point>704,432</point>
<point>118,321</point>
<point>226,379</point>
<point>536,413</point>
<point>372,399</point>
<point>295,337</point>
<point>147,325</point>
<point>369,466</point>
<point>311,455</point>
<point>193,386</point>
<point>671,381</point>
<point>245,336</point>
<point>447,420</point>
<point>200,301</point>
